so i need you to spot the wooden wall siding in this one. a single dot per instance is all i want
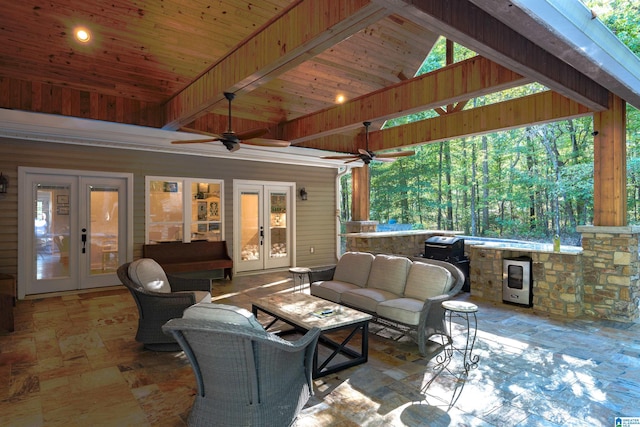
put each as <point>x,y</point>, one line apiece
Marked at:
<point>46,98</point>
<point>316,217</point>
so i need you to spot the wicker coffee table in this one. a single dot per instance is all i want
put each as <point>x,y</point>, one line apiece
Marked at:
<point>303,312</point>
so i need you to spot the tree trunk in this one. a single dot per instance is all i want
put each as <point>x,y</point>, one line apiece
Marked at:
<point>449,192</point>
<point>474,213</point>
<point>485,184</point>
<point>440,189</point>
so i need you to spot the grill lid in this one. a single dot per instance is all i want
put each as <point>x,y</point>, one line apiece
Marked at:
<point>442,241</point>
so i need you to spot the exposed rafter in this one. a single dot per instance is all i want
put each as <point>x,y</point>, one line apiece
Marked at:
<point>529,110</point>
<point>452,84</point>
<point>467,24</point>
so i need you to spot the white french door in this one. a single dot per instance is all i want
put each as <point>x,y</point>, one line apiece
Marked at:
<point>74,229</point>
<point>263,229</point>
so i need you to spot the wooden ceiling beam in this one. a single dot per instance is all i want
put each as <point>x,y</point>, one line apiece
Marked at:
<point>299,33</point>
<point>455,83</point>
<point>534,109</point>
<point>470,26</point>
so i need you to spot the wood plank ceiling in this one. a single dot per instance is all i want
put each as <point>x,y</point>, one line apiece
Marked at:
<point>166,64</point>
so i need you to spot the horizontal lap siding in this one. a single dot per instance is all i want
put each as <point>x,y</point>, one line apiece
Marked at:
<point>316,216</point>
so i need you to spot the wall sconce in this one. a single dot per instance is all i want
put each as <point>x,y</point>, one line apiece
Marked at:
<point>4,184</point>
<point>303,194</point>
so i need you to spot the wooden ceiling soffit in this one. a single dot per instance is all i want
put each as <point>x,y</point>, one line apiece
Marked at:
<point>470,26</point>
<point>534,109</point>
<point>458,82</point>
<point>299,33</point>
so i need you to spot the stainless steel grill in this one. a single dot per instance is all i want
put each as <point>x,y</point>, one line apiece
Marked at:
<point>451,250</point>
<point>444,248</point>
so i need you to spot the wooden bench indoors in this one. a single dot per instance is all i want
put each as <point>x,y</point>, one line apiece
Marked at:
<point>178,257</point>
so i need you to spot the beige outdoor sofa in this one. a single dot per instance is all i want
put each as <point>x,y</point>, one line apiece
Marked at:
<point>401,292</point>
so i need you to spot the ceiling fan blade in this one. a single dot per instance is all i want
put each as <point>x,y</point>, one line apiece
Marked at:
<point>384,159</point>
<point>250,134</point>
<point>353,160</point>
<point>396,154</point>
<point>262,142</point>
<point>195,141</point>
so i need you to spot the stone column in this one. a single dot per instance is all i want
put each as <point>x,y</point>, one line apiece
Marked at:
<point>611,272</point>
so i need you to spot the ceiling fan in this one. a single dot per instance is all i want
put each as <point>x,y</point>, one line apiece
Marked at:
<point>367,156</point>
<point>232,140</point>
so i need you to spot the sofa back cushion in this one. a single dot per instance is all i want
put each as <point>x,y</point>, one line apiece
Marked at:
<point>389,272</point>
<point>149,274</point>
<point>222,313</point>
<point>427,280</point>
<point>353,267</point>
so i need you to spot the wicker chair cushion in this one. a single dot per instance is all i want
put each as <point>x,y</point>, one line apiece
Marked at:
<point>149,274</point>
<point>427,280</point>
<point>222,313</point>
<point>353,267</point>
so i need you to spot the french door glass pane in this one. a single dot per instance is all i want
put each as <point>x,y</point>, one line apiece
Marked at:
<point>51,231</point>
<point>278,225</point>
<point>250,239</point>
<point>103,251</point>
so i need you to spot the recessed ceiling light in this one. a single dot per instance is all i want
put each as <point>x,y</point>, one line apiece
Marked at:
<point>82,35</point>
<point>340,99</point>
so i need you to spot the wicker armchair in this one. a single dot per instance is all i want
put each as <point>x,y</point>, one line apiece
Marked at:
<point>155,308</point>
<point>245,376</point>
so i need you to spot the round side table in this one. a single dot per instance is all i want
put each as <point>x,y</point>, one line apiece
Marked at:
<point>298,274</point>
<point>467,312</point>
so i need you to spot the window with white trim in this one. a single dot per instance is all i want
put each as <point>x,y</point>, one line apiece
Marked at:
<point>174,205</point>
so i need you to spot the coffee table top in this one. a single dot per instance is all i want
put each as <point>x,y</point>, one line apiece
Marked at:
<point>305,311</point>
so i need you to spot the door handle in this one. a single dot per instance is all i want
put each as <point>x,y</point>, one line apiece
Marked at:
<point>261,235</point>
<point>84,240</point>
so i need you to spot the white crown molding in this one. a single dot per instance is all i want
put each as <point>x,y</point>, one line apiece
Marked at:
<point>71,130</point>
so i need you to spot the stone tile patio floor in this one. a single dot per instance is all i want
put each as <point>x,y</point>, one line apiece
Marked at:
<point>72,362</point>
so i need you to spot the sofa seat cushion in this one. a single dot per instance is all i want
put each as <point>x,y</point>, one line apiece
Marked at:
<point>149,274</point>
<point>223,313</point>
<point>403,310</point>
<point>354,267</point>
<point>366,299</point>
<point>389,272</point>
<point>427,281</point>
<point>331,289</point>
<point>201,296</point>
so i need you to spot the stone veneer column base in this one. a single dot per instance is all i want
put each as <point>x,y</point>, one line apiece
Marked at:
<point>611,267</point>
<point>361,226</point>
